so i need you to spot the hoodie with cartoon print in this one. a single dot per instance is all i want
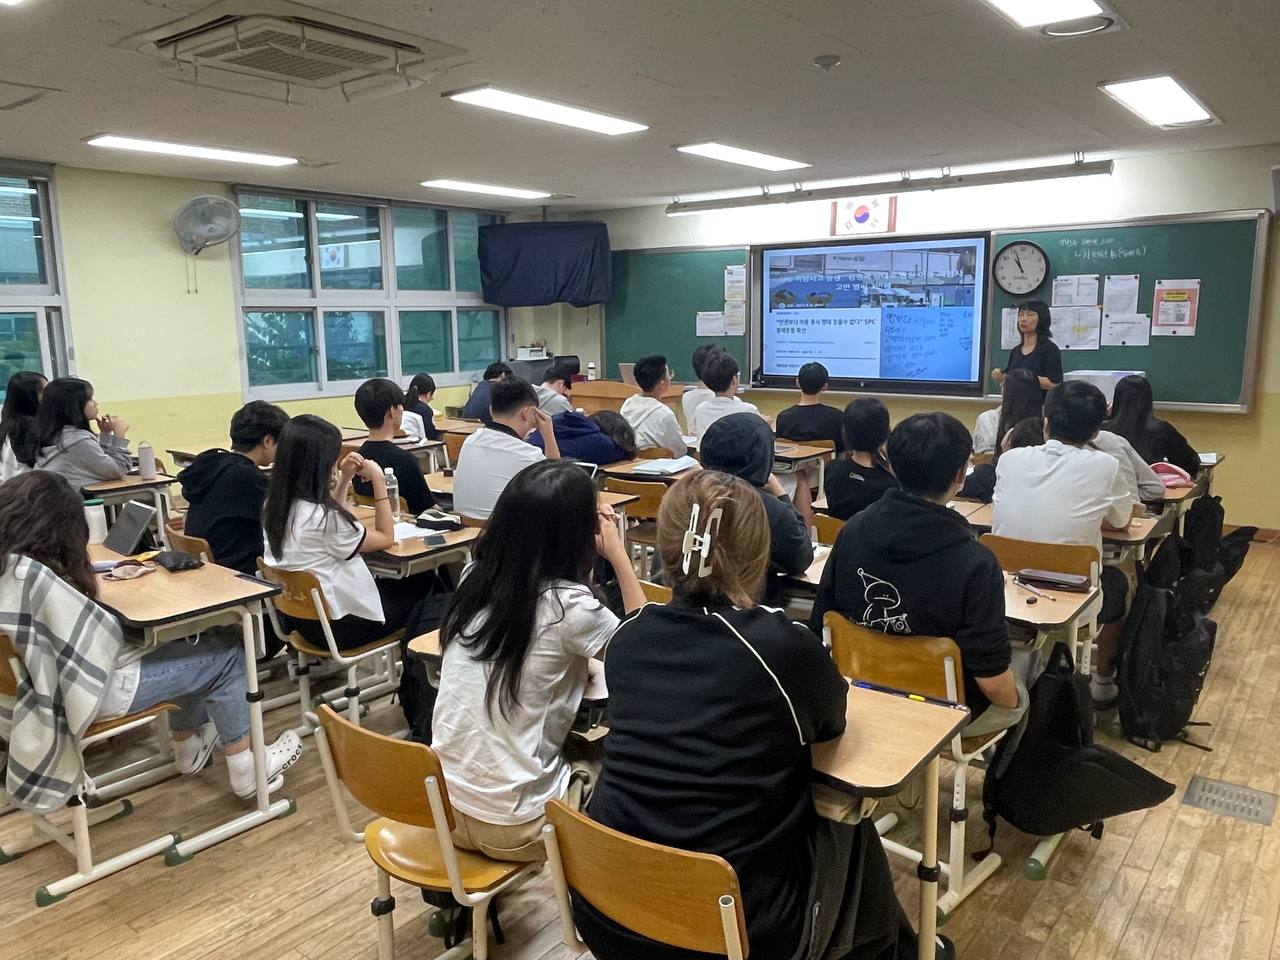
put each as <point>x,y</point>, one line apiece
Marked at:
<point>906,566</point>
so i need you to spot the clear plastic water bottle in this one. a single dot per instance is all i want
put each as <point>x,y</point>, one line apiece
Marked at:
<point>393,493</point>
<point>591,370</point>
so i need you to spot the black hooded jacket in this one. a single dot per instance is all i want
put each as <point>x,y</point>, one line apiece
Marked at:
<point>225,491</point>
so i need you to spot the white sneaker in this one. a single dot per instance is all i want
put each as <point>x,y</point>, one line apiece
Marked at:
<point>280,756</point>
<point>191,755</point>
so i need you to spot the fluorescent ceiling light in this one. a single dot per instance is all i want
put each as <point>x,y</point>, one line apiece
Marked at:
<point>747,158</point>
<point>1036,13</point>
<point>468,187</point>
<point>188,150</point>
<point>1161,101</point>
<point>10,3</point>
<point>536,109</point>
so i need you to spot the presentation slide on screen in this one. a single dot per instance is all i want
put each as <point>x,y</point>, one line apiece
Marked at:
<point>905,310</point>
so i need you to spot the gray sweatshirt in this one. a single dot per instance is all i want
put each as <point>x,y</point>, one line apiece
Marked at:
<point>84,458</point>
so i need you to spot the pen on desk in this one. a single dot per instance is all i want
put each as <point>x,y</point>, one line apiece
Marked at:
<point>879,688</point>
<point>1031,589</point>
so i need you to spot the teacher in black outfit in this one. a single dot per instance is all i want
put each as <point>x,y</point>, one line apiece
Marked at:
<point>1037,352</point>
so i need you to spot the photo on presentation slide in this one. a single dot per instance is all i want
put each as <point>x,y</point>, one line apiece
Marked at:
<point>898,315</point>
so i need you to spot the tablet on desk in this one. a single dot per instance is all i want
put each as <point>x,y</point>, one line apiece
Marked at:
<point>131,523</point>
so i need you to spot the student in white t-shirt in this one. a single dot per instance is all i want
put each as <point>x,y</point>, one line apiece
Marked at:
<point>496,452</point>
<point>516,639</point>
<point>652,420</point>
<point>720,374</point>
<point>1066,492</point>
<point>693,397</point>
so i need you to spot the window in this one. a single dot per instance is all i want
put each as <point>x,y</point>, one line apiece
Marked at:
<point>337,290</point>
<point>22,231</point>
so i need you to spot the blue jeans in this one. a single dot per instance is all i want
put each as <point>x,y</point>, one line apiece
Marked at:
<point>204,677</point>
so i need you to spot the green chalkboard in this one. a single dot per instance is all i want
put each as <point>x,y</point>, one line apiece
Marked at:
<point>652,306</point>
<point>1224,251</point>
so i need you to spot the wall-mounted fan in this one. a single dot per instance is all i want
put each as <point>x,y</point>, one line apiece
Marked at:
<point>204,222</point>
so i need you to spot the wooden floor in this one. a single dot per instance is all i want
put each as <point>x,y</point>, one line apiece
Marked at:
<point>1170,883</point>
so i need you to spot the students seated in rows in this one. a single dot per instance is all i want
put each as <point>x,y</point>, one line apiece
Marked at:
<point>516,638</point>
<point>652,420</point>
<point>18,422</point>
<point>692,398</point>
<point>44,560</point>
<point>553,392</point>
<point>720,374</point>
<point>1021,397</point>
<point>379,405</point>
<point>495,453</point>
<point>741,444</point>
<point>417,401</point>
<point>584,438</point>
<point>856,483</point>
<point>714,703</point>
<point>909,565</point>
<point>811,419</point>
<point>1065,492</point>
<point>477,405</point>
<point>308,528</point>
<point>65,444</point>
<point>981,483</point>
<point>1155,440</point>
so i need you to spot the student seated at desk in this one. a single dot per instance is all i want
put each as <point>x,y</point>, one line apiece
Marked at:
<point>553,392</point>
<point>811,419</point>
<point>477,405</point>
<point>66,446</point>
<point>1065,492</point>
<point>652,420</point>
<point>741,444</point>
<point>981,483</point>
<point>308,528</point>
<point>379,405</point>
<point>1021,397</point>
<point>417,401</point>
<point>1144,484</point>
<point>692,398</point>
<point>225,490</point>
<point>720,374</point>
<point>909,565</point>
<point>18,423</point>
<point>586,439</point>
<point>856,483</point>
<point>714,703</point>
<point>516,640</point>
<point>43,559</point>
<point>1155,440</point>
<point>495,453</point>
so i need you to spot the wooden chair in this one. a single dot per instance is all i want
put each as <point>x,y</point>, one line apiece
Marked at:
<point>75,840</point>
<point>196,546</point>
<point>403,783</point>
<point>642,536</point>
<point>302,598</point>
<point>688,900</point>
<point>826,528</point>
<point>930,667</point>
<point>981,458</point>
<point>367,500</point>
<point>655,592</point>
<point>453,447</point>
<point>472,521</point>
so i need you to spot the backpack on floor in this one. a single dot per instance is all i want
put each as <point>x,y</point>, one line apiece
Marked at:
<point>1202,533</point>
<point>1057,779</point>
<point>417,693</point>
<point>1233,548</point>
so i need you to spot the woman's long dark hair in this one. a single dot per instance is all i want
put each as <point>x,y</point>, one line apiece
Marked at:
<point>1131,412</point>
<point>1022,398</point>
<point>61,406</point>
<point>421,384</point>
<point>41,517</point>
<point>542,529</point>
<point>18,418</point>
<point>306,451</point>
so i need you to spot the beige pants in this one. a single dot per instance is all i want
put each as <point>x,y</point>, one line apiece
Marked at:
<point>521,842</point>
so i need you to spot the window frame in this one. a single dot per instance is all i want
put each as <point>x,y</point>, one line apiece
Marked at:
<point>389,300</point>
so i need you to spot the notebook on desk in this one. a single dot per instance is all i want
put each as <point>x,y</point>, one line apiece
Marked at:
<point>1208,459</point>
<point>664,467</point>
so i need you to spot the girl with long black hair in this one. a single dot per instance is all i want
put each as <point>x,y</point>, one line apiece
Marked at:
<point>18,422</point>
<point>66,446</point>
<point>1132,417</point>
<point>1037,352</point>
<point>1021,398</point>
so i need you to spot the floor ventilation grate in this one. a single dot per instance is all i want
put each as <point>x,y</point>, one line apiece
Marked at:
<point>1231,800</point>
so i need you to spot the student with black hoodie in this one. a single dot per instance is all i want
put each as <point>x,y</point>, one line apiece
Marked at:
<point>742,444</point>
<point>909,565</point>
<point>225,489</point>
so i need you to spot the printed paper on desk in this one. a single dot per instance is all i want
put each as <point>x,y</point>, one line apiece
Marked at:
<point>1076,290</point>
<point>407,531</point>
<point>1177,303</point>
<point>710,323</point>
<point>735,318</point>
<point>1126,330</point>
<point>1120,296</point>
<point>735,282</point>
<point>1076,328</point>
<point>1009,335</point>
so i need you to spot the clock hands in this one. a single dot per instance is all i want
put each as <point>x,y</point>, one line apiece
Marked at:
<point>1018,261</point>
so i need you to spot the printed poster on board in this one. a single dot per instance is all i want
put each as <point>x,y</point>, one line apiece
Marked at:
<point>1177,303</point>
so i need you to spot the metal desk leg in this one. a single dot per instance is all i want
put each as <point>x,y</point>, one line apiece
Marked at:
<point>927,869</point>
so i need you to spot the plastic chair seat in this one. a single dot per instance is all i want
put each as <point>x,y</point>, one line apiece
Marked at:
<point>645,532</point>
<point>971,746</point>
<point>302,645</point>
<point>412,854</point>
<point>99,727</point>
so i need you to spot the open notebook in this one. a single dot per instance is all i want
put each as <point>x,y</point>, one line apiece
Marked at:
<point>665,466</point>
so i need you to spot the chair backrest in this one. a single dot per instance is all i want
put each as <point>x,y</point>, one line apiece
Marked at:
<point>472,521</point>
<point>384,774</point>
<point>294,599</point>
<point>453,446</point>
<point>914,664</point>
<point>8,682</point>
<point>650,493</point>
<point>196,546</point>
<point>981,458</point>
<point>653,453</point>
<point>663,893</point>
<point>655,592</point>
<point>828,528</point>
<point>367,500</point>
<point>1014,555</point>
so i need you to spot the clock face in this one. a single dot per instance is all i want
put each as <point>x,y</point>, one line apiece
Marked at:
<point>1020,268</point>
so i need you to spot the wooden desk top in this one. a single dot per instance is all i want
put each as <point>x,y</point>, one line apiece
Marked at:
<point>966,508</point>
<point>889,739</point>
<point>130,482</point>
<point>1178,494</point>
<point>463,427</point>
<point>416,547</point>
<point>1140,530</point>
<point>626,470</point>
<point>789,452</point>
<point>1044,613</point>
<point>162,597</point>
<point>442,486</point>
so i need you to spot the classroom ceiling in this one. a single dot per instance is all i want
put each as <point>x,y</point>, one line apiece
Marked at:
<point>923,83</point>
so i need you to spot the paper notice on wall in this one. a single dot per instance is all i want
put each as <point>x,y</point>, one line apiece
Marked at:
<point>710,323</point>
<point>735,282</point>
<point>735,318</point>
<point>1120,296</point>
<point>1076,328</point>
<point>1177,302</point>
<point>1126,330</point>
<point>1076,290</point>
<point>1009,336</point>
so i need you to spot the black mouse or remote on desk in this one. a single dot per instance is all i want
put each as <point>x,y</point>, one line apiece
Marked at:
<point>1031,600</point>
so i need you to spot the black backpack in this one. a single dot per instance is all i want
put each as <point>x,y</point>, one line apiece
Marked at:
<point>1202,533</point>
<point>1057,779</point>
<point>417,693</point>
